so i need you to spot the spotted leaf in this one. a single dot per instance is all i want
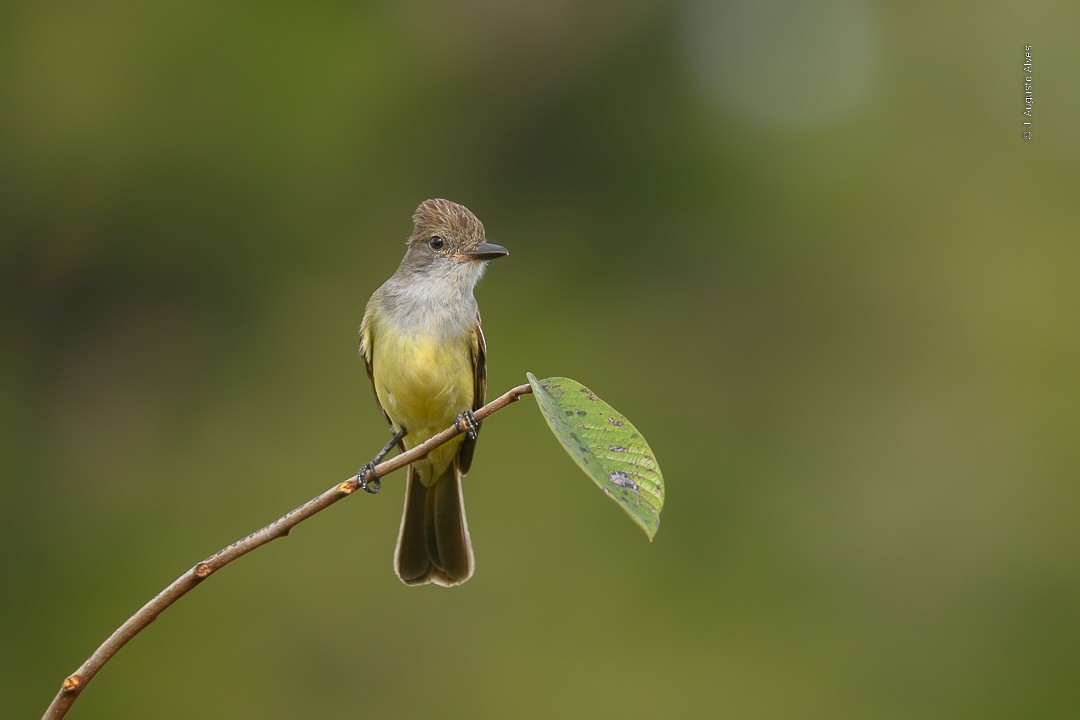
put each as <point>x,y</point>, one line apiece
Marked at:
<point>605,445</point>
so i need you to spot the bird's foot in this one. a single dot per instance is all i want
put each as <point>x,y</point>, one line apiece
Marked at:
<point>466,423</point>
<point>367,479</point>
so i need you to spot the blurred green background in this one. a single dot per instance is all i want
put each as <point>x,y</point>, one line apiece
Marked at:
<point>801,245</point>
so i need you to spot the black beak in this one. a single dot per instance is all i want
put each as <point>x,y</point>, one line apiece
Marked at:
<point>485,251</point>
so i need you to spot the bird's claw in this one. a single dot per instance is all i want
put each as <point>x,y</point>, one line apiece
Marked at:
<point>466,423</point>
<point>373,485</point>
<point>367,479</point>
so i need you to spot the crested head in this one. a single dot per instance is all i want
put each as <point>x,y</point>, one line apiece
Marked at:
<point>445,257</point>
<point>453,222</point>
<point>448,239</point>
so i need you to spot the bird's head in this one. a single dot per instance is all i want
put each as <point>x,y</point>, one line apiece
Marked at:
<point>445,232</point>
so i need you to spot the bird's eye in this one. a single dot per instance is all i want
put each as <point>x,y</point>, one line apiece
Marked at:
<point>435,242</point>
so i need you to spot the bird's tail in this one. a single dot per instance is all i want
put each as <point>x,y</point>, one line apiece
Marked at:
<point>433,544</point>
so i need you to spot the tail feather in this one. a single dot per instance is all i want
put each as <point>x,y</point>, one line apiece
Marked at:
<point>434,545</point>
<point>455,556</point>
<point>411,557</point>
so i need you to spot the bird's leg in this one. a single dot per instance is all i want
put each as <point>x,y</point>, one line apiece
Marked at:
<point>466,423</point>
<point>373,485</point>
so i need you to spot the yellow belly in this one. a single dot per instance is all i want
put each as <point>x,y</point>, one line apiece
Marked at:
<point>423,384</point>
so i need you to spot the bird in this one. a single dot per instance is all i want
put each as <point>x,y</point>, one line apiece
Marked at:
<point>426,357</point>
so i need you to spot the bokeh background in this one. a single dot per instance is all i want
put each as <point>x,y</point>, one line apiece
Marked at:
<point>802,245</point>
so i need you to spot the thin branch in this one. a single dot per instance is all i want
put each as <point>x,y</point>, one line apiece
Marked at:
<point>75,683</point>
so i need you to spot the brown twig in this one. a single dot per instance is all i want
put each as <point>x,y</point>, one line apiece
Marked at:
<point>75,683</point>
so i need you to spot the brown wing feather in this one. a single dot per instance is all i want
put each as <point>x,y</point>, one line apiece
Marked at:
<point>479,360</point>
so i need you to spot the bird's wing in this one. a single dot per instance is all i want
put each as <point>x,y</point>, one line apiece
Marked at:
<point>367,353</point>
<point>479,362</point>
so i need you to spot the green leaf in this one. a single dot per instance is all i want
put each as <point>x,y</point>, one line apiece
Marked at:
<point>605,445</point>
